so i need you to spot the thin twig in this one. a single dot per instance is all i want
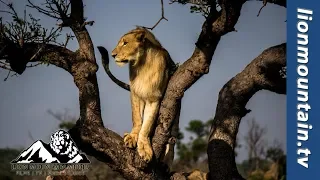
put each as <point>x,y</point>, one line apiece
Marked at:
<point>7,12</point>
<point>43,11</point>
<point>162,18</point>
<point>34,65</point>
<point>264,5</point>
<point>68,37</point>
<point>44,42</point>
<point>7,75</point>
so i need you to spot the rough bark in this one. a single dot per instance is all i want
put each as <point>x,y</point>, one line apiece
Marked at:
<point>107,146</point>
<point>262,73</point>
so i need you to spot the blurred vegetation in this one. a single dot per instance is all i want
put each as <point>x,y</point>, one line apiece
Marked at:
<point>191,153</point>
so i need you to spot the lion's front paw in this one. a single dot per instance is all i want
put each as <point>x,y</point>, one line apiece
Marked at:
<point>130,140</point>
<point>145,149</point>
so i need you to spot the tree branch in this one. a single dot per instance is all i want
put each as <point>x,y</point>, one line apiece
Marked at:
<point>216,25</point>
<point>51,54</point>
<point>282,3</point>
<point>161,18</point>
<point>77,11</point>
<point>262,73</point>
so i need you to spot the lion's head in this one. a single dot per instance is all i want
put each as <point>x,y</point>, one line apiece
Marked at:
<point>133,45</point>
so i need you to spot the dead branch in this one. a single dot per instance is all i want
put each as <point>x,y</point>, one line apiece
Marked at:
<point>264,5</point>
<point>262,73</point>
<point>161,18</point>
<point>5,79</point>
<point>51,12</point>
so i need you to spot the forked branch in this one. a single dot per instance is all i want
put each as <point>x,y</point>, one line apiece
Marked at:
<point>161,18</point>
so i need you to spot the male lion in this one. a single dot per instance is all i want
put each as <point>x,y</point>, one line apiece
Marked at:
<point>150,66</point>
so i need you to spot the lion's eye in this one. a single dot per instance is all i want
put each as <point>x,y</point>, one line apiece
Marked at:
<point>125,43</point>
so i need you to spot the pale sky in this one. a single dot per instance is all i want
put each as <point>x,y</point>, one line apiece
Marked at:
<point>24,100</point>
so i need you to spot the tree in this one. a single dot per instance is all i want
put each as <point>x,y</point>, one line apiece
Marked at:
<point>23,42</point>
<point>98,170</point>
<point>276,154</point>
<point>66,121</point>
<point>196,148</point>
<point>191,152</point>
<point>255,142</point>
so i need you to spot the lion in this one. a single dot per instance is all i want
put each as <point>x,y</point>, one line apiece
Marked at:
<point>150,67</point>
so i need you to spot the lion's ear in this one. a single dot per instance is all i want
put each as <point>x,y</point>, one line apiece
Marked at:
<point>141,36</point>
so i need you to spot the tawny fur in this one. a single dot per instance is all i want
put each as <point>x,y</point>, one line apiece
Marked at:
<point>197,175</point>
<point>149,68</point>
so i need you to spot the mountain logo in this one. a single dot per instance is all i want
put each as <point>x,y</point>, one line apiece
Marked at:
<point>61,149</point>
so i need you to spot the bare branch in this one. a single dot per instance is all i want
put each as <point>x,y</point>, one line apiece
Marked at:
<point>8,12</point>
<point>50,13</point>
<point>264,4</point>
<point>11,11</point>
<point>5,79</point>
<point>68,37</point>
<point>161,18</point>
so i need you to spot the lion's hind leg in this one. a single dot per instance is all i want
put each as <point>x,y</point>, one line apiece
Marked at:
<point>137,106</point>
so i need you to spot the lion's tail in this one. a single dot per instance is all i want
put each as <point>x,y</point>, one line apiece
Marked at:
<point>105,63</point>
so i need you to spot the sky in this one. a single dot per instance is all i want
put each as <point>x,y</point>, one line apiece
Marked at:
<point>25,99</point>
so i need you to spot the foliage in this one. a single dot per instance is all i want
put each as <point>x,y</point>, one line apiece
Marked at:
<point>274,154</point>
<point>192,154</point>
<point>6,156</point>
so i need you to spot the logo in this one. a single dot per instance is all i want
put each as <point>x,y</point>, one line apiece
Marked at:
<point>59,157</point>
